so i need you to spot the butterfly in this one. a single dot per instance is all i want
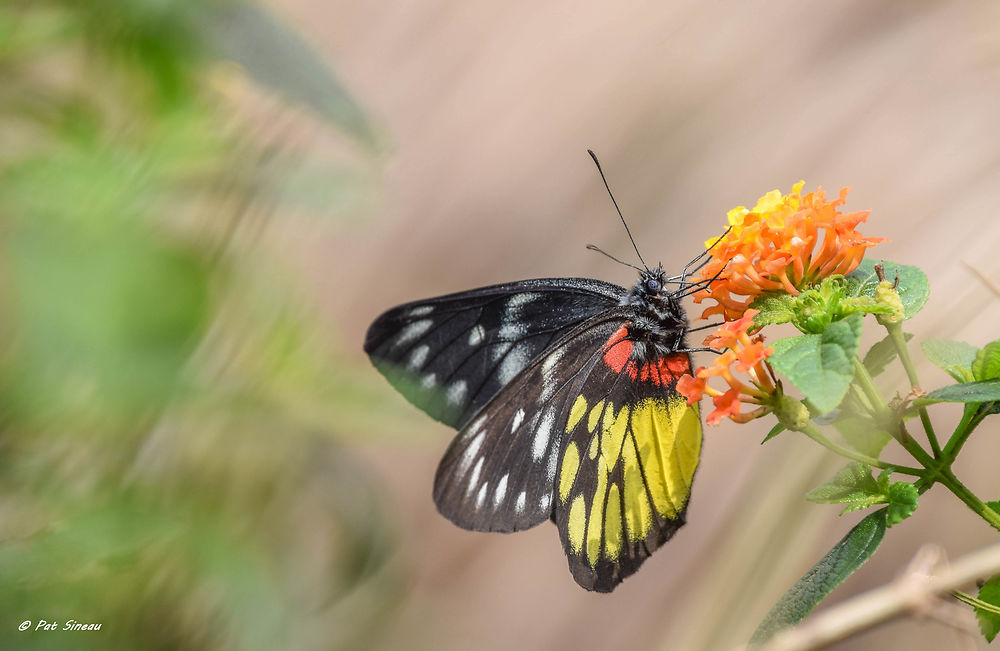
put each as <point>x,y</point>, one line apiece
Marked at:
<point>563,392</point>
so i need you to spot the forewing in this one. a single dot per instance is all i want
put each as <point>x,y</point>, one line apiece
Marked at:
<point>626,467</point>
<point>449,355</point>
<point>499,472</point>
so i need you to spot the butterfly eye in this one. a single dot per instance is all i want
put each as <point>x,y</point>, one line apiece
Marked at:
<point>653,285</point>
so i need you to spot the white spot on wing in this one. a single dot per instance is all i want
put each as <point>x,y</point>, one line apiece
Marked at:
<point>470,453</point>
<point>499,350</point>
<point>500,492</point>
<point>551,360</point>
<point>518,418</point>
<point>519,505</point>
<point>513,363</point>
<point>421,310</point>
<point>474,479</point>
<point>418,357</point>
<point>511,330</point>
<point>481,497</point>
<point>477,334</point>
<point>476,425</point>
<point>412,331</point>
<point>456,392</point>
<point>550,471</point>
<point>543,504</point>
<point>542,434</point>
<point>429,381</point>
<point>511,325</point>
<point>548,370</point>
<point>519,300</point>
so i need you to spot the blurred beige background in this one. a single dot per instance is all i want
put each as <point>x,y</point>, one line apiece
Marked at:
<point>694,108</point>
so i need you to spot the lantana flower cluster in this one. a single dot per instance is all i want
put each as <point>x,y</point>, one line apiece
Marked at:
<point>785,243</point>
<point>741,353</point>
<point>781,246</point>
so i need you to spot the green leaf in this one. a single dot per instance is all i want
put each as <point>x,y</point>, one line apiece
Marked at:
<point>777,429</point>
<point>994,505</point>
<point>902,502</point>
<point>989,623</point>
<point>987,363</point>
<point>821,365</point>
<point>953,357</point>
<point>862,435</point>
<point>274,55</point>
<point>883,481</point>
<point>853,483</point>
<point>774,309</point>
<point>881,354</point>
<point>985,391</point>
<point>913,287</point>
<point>844,559</point>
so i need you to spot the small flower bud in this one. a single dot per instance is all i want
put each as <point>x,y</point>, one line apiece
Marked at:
<point>886,294</point>
<point>790,412</point>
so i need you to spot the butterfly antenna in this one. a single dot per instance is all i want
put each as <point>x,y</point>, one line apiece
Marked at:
<point>594,247</point>
<point>610,194</point>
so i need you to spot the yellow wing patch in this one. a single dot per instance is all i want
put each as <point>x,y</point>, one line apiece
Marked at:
<point>655,444</point>
<point>567,472</point>
<point>576,412</point>
<point>577,523</point>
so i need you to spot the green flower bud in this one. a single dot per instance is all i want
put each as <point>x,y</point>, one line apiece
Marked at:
<point>886,295</point>
<point>790,412</point>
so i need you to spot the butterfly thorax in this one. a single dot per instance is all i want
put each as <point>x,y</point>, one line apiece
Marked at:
<point>660,322</point>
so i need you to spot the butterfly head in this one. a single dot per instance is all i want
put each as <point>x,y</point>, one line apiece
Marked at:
<point>657,303</point>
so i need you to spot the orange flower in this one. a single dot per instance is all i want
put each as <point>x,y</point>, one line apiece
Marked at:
<point>784,244</point>
<point>743,354</point>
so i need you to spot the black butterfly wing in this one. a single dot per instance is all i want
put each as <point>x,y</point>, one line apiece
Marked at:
<point>499,472</point>
<point>629,456</point>
<point>449,355</point>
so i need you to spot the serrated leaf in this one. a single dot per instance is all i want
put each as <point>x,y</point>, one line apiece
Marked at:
<point>985,391</point>
<point>774,308</point>
<point>987,363</point>
<point>861,505</point>
<point>902,502</point>
<point>989,623</point>
<point>852,483</point>
<point>777,429</point>
<point>883,352</point>
<point>953,357</point>
<point>821,366</point>
<point>913,287</point>
<point>883,481</point>
<point>843,560</point>
<point>862,435</point>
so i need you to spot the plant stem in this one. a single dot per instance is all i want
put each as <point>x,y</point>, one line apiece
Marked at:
<point>970,420</point>
<point>899,341</point>
<point>977,603</point>
<point>878,403</point>
<point>813,432</point>
<point>888,419</point>
<point>951,482</point>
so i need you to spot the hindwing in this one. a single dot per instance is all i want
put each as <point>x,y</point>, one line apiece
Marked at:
<point>631,448</point>
<point>590,435</point>
<point>449,355</point>
<point>499,472</point>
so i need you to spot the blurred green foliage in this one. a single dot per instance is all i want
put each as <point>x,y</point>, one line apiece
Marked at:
<point>169,456</point>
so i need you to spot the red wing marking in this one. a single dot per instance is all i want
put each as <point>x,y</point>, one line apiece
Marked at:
<point>618,353</point>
